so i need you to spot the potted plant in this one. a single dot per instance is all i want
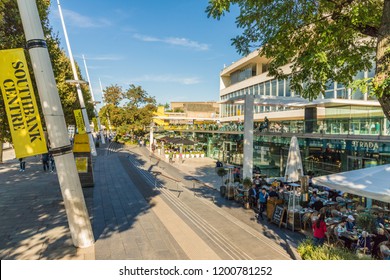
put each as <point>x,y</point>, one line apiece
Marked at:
<point>221,172</point>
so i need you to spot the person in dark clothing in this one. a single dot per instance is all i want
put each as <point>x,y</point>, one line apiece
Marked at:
<point>378,238</point>
<point>252,194</point>
<point>45,161</point>
<point>265,124</point>
<point>22,164</point>
<point>52,163</point>
<point>317,205</point>
<point>273,193</point>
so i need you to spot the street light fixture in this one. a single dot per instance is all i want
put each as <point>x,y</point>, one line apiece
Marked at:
<point>77,83</point>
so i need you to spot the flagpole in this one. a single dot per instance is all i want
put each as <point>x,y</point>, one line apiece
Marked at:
<point>76,210</point>
<point>78,87</point>
<point>94,103</point>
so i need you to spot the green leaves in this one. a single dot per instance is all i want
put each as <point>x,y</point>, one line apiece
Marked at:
<point>321,39</point>
<point>129,110</point>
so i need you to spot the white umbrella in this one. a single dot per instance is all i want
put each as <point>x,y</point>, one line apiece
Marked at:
<point>372,182</point>
<point>294,168</point>
<point>293,172</point>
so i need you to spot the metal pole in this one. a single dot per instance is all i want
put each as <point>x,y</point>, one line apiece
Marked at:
<point>108,117</point>
<point>76,210</point>
<point>78,87</point>
<point>94,103</point>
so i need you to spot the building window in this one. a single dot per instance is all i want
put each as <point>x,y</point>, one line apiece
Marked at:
<point>281,87</point>
<point>267,88</point>
<point>273,87</point>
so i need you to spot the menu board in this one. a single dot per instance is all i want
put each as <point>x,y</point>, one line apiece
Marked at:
<point>278,215</point>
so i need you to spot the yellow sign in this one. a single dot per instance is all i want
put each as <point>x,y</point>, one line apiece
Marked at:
<point>82,164</point>
<point>20,104</point>
<point>81,143</point>
<point>78,115</point>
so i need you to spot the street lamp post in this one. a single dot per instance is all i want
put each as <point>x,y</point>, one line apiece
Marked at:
<point>76,210</point>
<point>94,104</point>
<point>78,87</point>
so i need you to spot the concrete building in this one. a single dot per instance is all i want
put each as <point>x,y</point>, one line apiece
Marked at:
<point>341,130</point>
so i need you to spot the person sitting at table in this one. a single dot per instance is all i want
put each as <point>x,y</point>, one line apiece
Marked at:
<point>378,238</point>
<point>350,224</point>
<point>379,220</point>
<point>385,251</point>
<point>364,242</point>
<point>319,230</point>
<point>313,198</point>
<point>317,205</point>
<point>341,231</point>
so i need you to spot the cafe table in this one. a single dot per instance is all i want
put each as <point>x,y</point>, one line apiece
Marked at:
<point>353,236</point>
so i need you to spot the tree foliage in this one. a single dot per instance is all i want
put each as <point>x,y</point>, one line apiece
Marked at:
<point>130,110</point>
<point>12,36</point>
<point>324,40</point>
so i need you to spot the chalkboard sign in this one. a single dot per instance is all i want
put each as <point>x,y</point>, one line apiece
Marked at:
<point>278,215</point>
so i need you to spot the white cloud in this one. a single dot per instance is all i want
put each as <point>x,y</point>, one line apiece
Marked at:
<point>79,20</point>
<point>167,79</point>
<point>184,42</point>
<point>108,57</point>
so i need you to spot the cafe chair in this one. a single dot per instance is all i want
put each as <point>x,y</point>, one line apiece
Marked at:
<point>306,220</point>
<point>339,242</point>
<point>331,238</point>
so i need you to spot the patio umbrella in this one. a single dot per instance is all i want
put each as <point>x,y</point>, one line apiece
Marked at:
<point>294,162</point>
<point>293,171</point>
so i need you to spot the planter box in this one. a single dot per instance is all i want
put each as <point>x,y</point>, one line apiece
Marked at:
<point>187,156</point>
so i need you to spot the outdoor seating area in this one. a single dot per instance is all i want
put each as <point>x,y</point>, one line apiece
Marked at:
<point>353,218</point>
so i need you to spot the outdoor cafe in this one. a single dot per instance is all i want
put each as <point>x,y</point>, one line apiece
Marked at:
<point>355,204</point>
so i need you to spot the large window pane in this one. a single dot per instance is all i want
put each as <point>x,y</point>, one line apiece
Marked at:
<point>281,88</point>
<point>274,87</point>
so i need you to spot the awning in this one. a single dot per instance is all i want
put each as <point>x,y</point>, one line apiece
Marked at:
<point>372,182</point>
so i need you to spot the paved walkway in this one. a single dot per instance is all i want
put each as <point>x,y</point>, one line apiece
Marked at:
<point>131,219</point>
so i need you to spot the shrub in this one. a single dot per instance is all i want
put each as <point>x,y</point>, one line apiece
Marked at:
<point>308,251</point>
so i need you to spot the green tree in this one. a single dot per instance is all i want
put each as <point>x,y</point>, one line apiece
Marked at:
<point>12,36</point>
<point>323,40</point>
<point>129,110</point>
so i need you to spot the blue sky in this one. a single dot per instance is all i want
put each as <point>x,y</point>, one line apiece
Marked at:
<point>168,47</point>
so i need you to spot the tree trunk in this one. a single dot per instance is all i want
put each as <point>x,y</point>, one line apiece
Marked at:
<point>383,58</point>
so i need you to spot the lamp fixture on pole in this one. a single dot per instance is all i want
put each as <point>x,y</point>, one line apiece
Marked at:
<point>78,87</point>
<point>94,103</point>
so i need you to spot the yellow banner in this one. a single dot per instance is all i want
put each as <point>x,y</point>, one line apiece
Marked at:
<point>81,143</point>
<point>78,115</point>
<point>20,104</point>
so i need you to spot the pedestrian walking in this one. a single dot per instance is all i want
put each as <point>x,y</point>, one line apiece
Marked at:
<point>52,163</point>
<point>45,161</point>
<point>263,197</point>
<point>181,157</point>
<point>22,164</point>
